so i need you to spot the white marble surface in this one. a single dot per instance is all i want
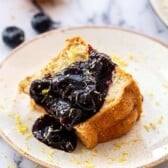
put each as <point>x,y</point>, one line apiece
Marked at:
<point>132,14</point>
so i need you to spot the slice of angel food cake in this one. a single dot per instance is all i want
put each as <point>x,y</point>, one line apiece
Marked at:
<point>81,93</point>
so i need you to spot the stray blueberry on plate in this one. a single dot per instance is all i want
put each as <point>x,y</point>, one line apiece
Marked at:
<point>41,22</point>
<point>13,36</point>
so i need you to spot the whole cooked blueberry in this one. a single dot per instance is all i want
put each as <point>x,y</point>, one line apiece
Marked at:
<point>41,22</point>
<point>48,130</point>
<point>72,70</point>
<point>13,36</point>
<point>59,83</point>
<point>39,90</point>
<point>106,67</point>
<point>63,108</point>
<point>85,101</point>
<point>57,108</point>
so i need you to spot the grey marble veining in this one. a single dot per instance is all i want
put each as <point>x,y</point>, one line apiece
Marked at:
<point>135,15</point>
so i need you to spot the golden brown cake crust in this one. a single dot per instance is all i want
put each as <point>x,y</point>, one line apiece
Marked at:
<point>114,119</point>
<point>122,106</point>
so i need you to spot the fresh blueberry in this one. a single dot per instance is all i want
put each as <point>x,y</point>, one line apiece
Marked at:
<point>13,36</point>
<point>41,22</point>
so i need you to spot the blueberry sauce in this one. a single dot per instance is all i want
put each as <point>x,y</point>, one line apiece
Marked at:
<point>71,96</point>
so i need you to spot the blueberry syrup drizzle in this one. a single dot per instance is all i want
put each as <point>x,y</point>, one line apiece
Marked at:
<point>71,97</point>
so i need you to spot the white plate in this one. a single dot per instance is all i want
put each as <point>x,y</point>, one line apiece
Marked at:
<point>161,8</point>
<point>146,144</point>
